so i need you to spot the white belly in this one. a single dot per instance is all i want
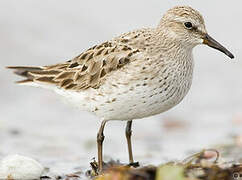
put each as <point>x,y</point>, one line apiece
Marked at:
<point>142,102</point>
<point>133,102</point>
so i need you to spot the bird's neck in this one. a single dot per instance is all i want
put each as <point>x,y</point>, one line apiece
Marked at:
<point>176,57</point>
<point>163,44</point>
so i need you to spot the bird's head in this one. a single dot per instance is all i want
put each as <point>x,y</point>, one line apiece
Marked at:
<point>185,25</point>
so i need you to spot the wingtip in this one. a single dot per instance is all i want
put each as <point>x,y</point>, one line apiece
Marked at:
<point>25,67</point>
<point>23,81</point>
<point>9,67</point>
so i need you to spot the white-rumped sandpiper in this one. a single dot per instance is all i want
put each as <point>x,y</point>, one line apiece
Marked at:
<point>135,75</point>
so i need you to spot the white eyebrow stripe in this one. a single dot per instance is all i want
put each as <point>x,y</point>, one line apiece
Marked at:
<point>200,27</point>
<point>183,19</point>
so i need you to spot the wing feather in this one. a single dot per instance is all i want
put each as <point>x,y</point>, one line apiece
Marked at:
<point>89,69</point>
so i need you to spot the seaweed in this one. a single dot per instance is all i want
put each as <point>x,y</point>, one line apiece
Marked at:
<point>205,165</point>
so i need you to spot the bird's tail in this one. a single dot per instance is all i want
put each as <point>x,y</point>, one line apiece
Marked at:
<point>25,71</point>
<point>44,76</point>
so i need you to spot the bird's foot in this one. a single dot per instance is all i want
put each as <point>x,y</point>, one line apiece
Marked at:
<point>134,164</point>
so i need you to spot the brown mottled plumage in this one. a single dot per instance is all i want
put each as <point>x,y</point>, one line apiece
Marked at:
<point>84,71</point>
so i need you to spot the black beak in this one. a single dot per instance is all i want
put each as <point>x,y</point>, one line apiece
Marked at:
<point>216,45</point>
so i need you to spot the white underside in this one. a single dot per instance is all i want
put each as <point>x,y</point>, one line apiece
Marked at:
<point>120,103</point>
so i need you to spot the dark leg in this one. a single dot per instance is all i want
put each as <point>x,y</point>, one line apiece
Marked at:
<point>100,138</point>
<point>128,133</point>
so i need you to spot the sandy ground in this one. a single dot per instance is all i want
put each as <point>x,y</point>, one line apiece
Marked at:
<point>35,123</point>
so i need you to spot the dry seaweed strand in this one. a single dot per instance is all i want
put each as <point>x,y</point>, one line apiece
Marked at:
<point>196,167</point>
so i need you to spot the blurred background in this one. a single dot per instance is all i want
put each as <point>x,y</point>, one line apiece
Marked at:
<point>36,123</point>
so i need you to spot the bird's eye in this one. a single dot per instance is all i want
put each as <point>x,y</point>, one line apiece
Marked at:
<point>188,25</point>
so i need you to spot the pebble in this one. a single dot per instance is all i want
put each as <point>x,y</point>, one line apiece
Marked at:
<point>15,167</point>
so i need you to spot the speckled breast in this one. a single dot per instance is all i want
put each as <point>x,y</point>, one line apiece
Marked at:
<point>144,97</point>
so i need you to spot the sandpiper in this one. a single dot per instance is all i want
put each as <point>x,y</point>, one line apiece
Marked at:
<point>135,75</point>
